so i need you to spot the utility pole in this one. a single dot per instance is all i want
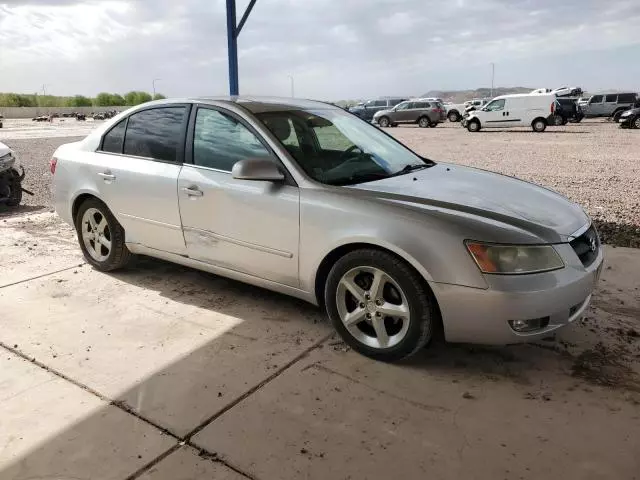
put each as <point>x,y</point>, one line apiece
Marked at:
<point>154,87</point>
<point>493,75</point>
<point>44,89</point>
<point>292,85</point>
<point>233,31</point>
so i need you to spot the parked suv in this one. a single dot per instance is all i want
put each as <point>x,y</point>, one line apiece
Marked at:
<point>424,113</point>
<point>610,105</point>
<point>565,110</point>
<point>367,110</point>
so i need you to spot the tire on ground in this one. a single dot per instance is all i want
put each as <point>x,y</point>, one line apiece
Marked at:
<point>539,124</point>
<point>424,319</point>
<point>119,254</point>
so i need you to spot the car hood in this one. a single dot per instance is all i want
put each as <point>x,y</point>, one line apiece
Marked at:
<point>470,191</point>
<point>4,149</point>
<point>382,112</point>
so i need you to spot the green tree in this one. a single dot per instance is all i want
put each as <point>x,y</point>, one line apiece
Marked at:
<point>136,98</point>
<point>117,100</point>
<point>103,99</point>
<point>159,96</point>
<point>78,101</point>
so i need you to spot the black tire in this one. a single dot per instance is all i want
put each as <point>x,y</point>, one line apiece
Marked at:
<point>473,125</point>
<point>565,120</point>
<point>424,122</point>
<point>15,190</point>
<point>384,122</point>
<point>394,125</point>
<point>454,116</point>
<point>433,124</point>
<point>423,311</point>
<point>119,254</point>
<point>539,125</point>
<point>635,123</point>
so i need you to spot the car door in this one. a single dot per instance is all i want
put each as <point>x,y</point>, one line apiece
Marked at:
<point>610,103</point>
<point>136,169</point>
<point>244,225</point>
<point>494,114</point>
<point>595,106</point>
<point>401,112</point>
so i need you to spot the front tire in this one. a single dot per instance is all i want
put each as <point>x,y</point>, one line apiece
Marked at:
<point>383,122</point>
<point>636,122</point>
<point>101,237</point>
<point>15,189</point>
<point>379,305</point>
<point>473,125</point>
<point>454,117</point>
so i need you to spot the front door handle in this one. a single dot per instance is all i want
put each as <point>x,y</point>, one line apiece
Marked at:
<point>193,191</point>
<point>107,176</point>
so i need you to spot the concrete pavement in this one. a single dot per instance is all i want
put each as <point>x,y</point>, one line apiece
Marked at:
<point>162,372</point>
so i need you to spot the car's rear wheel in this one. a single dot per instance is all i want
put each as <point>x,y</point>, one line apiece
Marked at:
<point>379,305</point>
<point>101,237</point>
<point>383,122</point>
<point>473,125</point>
<point>453,116</point>
<point>539,125</point>
<point>424,122</point>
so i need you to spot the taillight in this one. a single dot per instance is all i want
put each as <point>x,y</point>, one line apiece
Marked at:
<point>553,107</point>
<point>52,165</point>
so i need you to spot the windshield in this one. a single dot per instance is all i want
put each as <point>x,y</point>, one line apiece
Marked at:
<point>337,148</point>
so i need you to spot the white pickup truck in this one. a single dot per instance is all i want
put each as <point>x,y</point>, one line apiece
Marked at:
<point>455,111</point>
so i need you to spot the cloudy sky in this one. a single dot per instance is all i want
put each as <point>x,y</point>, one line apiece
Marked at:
<point>334,49</point>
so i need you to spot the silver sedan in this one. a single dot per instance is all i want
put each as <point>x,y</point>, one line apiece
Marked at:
<point>306,199</point>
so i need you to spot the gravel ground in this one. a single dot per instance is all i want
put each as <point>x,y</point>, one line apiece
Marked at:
<point>593,163</point>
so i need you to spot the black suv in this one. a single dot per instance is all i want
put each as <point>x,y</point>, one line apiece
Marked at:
<point>367,110</point>
<point>566,110</point>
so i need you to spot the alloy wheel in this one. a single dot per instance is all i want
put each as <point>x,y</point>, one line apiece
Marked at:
<point>636,123</point>
<point>96,234</point>
<point>373,307</point>
<point>424,122</point>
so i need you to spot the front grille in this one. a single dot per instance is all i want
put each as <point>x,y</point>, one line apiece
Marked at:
<point>586,246</point>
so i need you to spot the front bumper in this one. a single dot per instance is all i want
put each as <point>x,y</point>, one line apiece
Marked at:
<point>473,315</point>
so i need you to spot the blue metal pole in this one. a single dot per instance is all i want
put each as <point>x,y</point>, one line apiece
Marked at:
<point>232,40</point>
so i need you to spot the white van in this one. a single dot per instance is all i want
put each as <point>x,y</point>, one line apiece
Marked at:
<point>522,110</point>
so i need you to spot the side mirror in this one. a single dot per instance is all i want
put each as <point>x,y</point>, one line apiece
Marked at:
<point>257,169</point>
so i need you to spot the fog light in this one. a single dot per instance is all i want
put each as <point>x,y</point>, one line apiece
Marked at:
<point>521,326</point>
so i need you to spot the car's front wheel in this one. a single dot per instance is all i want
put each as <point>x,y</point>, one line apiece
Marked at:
<point>473,125</point>
<point>101,237</point>
<point>379,305</point>
<point>636,122</point>
<point>454,117</point>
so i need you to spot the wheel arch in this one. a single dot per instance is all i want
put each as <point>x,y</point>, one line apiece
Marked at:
<point>79,199</point>
<point>540,118</point>
<point>331,257</point>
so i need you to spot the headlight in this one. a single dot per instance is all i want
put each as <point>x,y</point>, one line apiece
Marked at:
<point>7,161</point>
<point>626,114</point>
<point>514,259</point>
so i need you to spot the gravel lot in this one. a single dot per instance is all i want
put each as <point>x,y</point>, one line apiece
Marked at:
<point>593,163</point>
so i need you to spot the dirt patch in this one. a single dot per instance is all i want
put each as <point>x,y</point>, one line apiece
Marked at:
<point>606,366</point>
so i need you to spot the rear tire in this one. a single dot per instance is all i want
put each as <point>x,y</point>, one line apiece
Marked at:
<point>424,122</point>
<point>101,237</point>
<point>361,312</point>
<point>454,116</point>
<point>473,125</point>
<point>384,122</point>
<point>539,125</point>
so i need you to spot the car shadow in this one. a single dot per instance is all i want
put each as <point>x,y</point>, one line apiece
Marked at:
<point>6,212</point>
<point>163,411</point>
<point>531,132</point>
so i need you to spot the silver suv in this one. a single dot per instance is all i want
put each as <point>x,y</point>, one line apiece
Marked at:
<point>609,105</point>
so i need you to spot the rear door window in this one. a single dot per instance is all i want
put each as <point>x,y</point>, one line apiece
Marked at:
<point>611,98</point>
<point>114,138</point>
<point>156,133</point>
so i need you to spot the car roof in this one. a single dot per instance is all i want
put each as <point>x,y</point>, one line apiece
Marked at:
<point>255,104</point>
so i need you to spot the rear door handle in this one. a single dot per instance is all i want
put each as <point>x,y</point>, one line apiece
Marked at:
<point>107,176</point>
<point>193,191</point>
